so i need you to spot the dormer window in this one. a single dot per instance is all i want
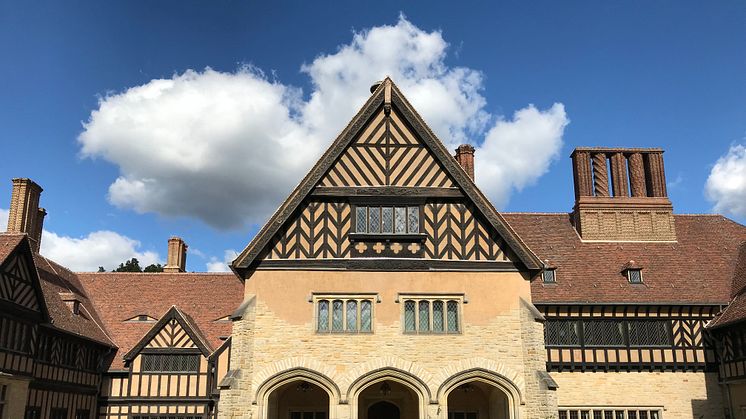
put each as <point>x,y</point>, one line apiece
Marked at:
<point>383,219</point>
<point>549,276</point>
<point>633,272</point>
<point>141,318</point>
<point>634,276</point>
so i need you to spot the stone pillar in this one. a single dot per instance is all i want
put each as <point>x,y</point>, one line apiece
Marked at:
<point>600,175</point>
<point>619,175</point>
<point>637,175</point>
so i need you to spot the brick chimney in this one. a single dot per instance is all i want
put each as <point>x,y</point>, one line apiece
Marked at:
<point>620,195</point>
<point>465,157</point>
<point>25,215</point>
<point>176,261</point>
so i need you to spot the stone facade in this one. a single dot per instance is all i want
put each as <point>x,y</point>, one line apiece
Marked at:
<point>501,342</point>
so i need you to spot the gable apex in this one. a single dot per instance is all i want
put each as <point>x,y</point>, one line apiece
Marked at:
<point>386,98</point>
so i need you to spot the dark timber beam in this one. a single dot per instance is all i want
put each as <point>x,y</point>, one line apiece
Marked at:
<point>389,191</point>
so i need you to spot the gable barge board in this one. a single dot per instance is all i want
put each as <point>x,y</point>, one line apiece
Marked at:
<point>387,192</point>
<point>388,264</point>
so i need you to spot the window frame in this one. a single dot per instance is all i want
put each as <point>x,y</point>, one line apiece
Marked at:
<point>624,323</point>
<point>170,352</point>
<point>316,298</point>
<point>387,203</point>
<point>544,276</point>
<point>458,298</point>
<point>628,274</point>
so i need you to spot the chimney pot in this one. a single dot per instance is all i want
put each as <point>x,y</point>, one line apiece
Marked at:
<point>465,157</point>
<point>25,216</point>
<point>176,260</point>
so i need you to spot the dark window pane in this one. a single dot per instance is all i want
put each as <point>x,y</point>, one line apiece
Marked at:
<point>400,220</point>
<point>452,316</point>
<point>387,220</point>
<point>409,308</point>
<point>365,316</point>
<point>361,217</point>
<point>562,333</point>
<point>424,316</point>
<point>603,333</point>
<point>337,308</point>
<point>323,316</point>
<point>374,220</point>
<point>437,316</point>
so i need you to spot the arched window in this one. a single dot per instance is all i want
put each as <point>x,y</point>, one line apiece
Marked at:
<point>323,316</point>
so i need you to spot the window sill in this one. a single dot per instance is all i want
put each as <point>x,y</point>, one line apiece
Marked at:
<point>416,237</point>
<point>343,333</point>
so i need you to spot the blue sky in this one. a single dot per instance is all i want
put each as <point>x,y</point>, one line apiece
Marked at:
<point>667,74</point>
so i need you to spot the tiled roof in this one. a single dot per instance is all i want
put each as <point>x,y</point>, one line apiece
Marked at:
<point>203,297</point>
<point>55,279</point>
<point>736,310</point>
<point>697,268</point>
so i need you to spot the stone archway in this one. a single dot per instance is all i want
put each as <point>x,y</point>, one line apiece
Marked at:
<point>383,410</point>
<point>406,392</point>
<point>297,394</point>
<point>480,394</point>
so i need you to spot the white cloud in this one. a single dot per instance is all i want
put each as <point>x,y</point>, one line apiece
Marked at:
<point>726,185</point>
<point>4,219</point>
<point>100,248</point>
<point>216,265</point>
<point>227,147</point>
<point>516,152</point>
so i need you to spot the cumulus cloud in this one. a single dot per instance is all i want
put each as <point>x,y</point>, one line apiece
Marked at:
<point>227,147</point>
<point>100,248</point>
<point>4,219</point>
<point>516,152</point>
<point>726,185</point>
<point>217,265</point>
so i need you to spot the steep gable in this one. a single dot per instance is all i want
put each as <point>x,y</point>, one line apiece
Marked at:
<point>387,153</point>
<point>19,280</point>
<point>174,330</point>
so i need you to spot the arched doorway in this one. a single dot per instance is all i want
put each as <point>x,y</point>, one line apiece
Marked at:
<point>298,399</point>
<point>478,400</point>
<point>383,410</point>
<point>388,399</point>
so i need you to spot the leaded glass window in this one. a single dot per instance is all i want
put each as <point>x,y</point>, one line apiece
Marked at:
<point>348,314</point>
<point>400,220</point>
<point>562,333</point>
<point>452,316</point>
<point>649,333</point>
<point>413,219</point>
<point>374,220</point>
<point>170,363</point>
<point>365,316</point>
<point>387,220</point>
<point>337,325</point>
<point>323,316</point>
<point>409,317</point>
<point>634,276</point>
<point>424,320</point>
<point>603,333</point>
<point>352,316</point>
<point>361,217</point>
<point>437,316</point>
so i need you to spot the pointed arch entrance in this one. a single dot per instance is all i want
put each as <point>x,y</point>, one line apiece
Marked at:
<point>386,391</point>
<point>480,394</point>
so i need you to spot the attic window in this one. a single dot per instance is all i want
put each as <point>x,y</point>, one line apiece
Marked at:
<point>633,272</point>
<point>141,318</point>
<point>549,276</point>
<point>387,219</point>
<point>634,276</point>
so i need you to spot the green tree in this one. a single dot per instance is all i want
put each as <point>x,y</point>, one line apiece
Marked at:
<point>101,269</point>
<point>155,267</point>
<point>132,265</point>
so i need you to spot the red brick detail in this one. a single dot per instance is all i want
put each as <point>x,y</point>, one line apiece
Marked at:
<point>619,175</point>
<point>637,175</point>
<point>655,175</point>
<point>581,173</point>
<point>465,157</point>
<point>600,175</point>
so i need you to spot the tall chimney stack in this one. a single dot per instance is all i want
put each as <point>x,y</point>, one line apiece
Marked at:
<point>620,195</point>
<point>176,261</point>
<point>25,215</point>
<point>465,157</point>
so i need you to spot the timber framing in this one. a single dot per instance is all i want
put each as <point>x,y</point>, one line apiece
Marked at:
<point>189,327</point>
<point>387,264</point>
<point>386,191</point>
<point>247,259</point>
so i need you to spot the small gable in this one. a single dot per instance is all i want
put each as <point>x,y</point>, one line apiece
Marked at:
<point>172,335</point>
<point>19,281</point>
<point>175,330</point>
<point>387,153</point>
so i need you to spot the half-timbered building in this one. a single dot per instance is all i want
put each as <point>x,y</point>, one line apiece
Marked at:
<point>387,285</point>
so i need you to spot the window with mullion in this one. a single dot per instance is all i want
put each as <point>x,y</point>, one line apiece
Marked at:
<point>387,219</point>
<point>349,315</point>
<point>431,315</point>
